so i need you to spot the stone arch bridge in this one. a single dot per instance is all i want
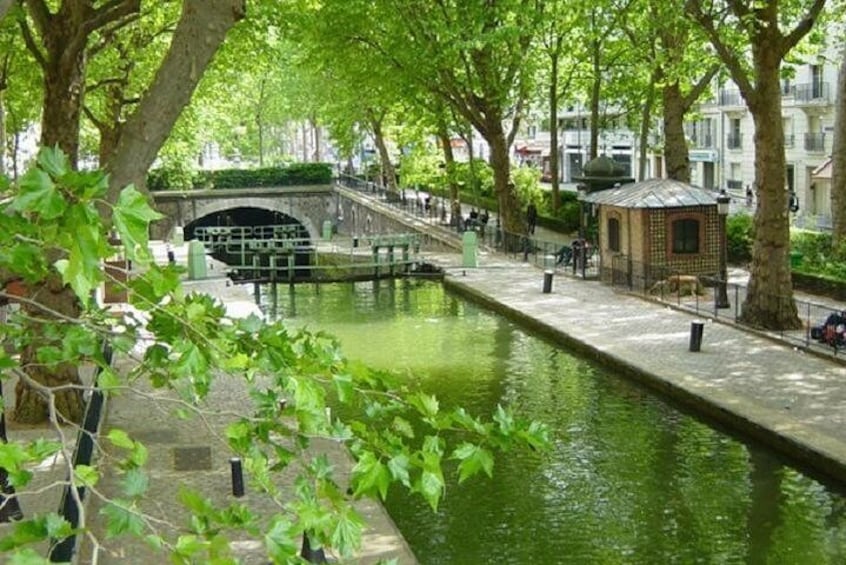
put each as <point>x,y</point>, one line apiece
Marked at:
<point>348,211</point>
<point>309,205</point>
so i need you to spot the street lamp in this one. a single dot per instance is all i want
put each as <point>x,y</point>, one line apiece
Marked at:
<point>581,193</point>
<point>723,201</point>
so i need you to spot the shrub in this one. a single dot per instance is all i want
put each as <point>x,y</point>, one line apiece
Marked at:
<point>295,174</point>
<point>739,235</point>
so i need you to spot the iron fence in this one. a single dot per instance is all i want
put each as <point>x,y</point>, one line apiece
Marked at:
<point>702,296</point>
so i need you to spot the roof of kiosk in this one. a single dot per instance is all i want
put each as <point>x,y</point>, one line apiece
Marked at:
<point>654,193</point>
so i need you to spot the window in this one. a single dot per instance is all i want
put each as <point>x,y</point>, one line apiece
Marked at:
<point>816,81</point>
<point>614,234</point>
<point>686,236</point>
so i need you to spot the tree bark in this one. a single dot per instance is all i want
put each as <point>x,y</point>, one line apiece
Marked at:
<point>201,30</point>
<point>838,161</point>
<point>676,154</point>
<point>553,129</point>
<point>769,300</point>
<point>31,405</point>
<point>510,212</point>
<point>449,163</point>
<point>388,173</point>
<point>596,87</point>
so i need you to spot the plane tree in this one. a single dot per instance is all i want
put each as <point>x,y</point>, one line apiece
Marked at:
<point>766,32</point>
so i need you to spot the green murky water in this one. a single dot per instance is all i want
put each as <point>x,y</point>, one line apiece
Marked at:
<point>630,479</point>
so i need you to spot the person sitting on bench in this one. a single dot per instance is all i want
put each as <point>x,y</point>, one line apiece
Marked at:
<point>564,255</point>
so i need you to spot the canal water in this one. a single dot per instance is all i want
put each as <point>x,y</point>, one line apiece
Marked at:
<point>629,478</point>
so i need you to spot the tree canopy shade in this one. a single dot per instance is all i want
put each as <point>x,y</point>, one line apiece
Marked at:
<point>768,31</point>
<point>470,54</point>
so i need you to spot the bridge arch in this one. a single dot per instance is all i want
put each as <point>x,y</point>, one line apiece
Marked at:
<point>287,206</point>
<point>309,206</point>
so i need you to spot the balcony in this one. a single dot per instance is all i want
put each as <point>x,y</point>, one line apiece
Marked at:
<point>731,98</point>
<point>734,141</point>
<point>703,141</point>
<point>814,142</point>
<point>812,92</point>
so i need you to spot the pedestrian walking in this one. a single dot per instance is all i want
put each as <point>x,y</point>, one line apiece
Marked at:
<point>531,217</point>
<point>748,196</point>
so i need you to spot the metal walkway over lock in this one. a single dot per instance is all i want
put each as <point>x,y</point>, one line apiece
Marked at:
<point>279,253</point>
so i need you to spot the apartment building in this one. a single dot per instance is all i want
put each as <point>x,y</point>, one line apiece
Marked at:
<point>722,149</point>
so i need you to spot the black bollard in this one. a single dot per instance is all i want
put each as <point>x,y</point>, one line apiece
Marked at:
<point>547,282</point>
<point>309,554</point>
<point>237,477</point>
<point>696,329</point>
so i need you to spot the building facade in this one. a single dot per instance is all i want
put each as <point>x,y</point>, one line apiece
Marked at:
<point>722,148</point>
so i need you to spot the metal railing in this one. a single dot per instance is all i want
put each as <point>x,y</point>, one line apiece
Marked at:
<point>702,296</point>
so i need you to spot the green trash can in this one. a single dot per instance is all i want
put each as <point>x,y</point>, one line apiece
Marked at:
<point>196,260</point>
<point>470,247</point>
<point>327,230</point>
<point>796,259</point>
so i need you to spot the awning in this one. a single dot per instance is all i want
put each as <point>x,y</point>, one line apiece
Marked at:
<point>823,172</point>
<point>532,150</point>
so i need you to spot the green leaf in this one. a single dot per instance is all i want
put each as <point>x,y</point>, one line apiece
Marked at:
<point>370,476</point>
<point>343,387</point>
<point>120,438</point>
<point>27,556</point>
<point>122,517</point>
<point>38,194</point>
<point>86,475</point>
<point>135,483</point>
<point>426,404</point>
<point>189,546</point>
<point>473,459</point>
<point>398,465</point>
<point>54,161</point>
<point>346,537</point>
<point>82,269</point>
<point>131,216</point>
<point>281,545</point>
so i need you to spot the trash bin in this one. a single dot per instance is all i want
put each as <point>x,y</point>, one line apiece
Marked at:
<point>470,248</point>
<point>327,230</point>
<point>547,281</point>
<point>796,259</point>
<point>697,327</point>
<point>196,260</point>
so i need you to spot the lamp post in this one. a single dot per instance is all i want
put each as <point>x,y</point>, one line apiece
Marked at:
<point>578,251</point>
<point>581,193</point>
<point>723,201</point>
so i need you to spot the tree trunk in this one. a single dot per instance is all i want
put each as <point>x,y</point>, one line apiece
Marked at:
<point>64,86</point>
<point>769,300</point>
<point>595,93</point>
<point>553,132</point>
<point>2,133</point>
<point>449,163</point>
<point>510,212</point>
<point>201,30</point>
<point>388,172</point>
<point>31,406</point>
<point>676,154</point>
<point>645,127</point>
<point>838,161</point>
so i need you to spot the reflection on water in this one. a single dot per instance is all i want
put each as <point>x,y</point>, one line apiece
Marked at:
<point>629,478</point>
